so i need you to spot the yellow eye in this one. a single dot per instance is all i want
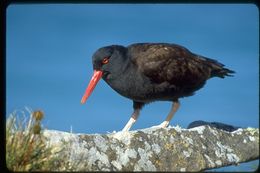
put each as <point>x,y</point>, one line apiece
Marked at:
<point>105,60</point>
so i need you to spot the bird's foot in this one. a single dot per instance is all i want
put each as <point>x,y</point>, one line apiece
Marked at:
<point>121,135</point>
<point>162,125</point>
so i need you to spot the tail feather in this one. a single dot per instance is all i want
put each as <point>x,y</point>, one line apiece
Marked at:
<point>217,69</point>
<point>222,72</point>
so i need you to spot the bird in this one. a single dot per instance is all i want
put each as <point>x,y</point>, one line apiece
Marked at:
<point>149,72</point>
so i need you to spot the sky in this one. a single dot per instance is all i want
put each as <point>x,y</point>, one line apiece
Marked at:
<point>49,50</point>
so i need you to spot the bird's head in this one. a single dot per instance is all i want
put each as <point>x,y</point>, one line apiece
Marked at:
<point>107,62</point>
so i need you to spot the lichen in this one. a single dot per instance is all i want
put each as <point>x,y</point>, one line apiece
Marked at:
<point>252,131</point>
<point>123,158</point>
<point>156,148</point>
<point>94,155</point>
<point>186,154</point>
<point>144,162</point>
<point>199,129</point>
<point>183,169</point>
<point>178,128</point>
<point>189,140</point>
<point>160,149</point>
<point>218,162</point>
<point>232,158</point>
<point>251,138</point>
<point>116,164</point>
<point>211,163</point>
<point>238,131</point>
<point>224,150</point>
<point>101,143</point>
<point>213,131</point>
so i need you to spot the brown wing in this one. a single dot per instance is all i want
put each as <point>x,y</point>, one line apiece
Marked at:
<point>169,62</point>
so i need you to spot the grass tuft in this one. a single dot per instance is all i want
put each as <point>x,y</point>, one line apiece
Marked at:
<point>26,147</point>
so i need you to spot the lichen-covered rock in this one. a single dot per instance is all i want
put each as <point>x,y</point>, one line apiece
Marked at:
<point>157,149</point>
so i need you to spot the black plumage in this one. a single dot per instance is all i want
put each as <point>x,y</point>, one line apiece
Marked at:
<point>146,72</point>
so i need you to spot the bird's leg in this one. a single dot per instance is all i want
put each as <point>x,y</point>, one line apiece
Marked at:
<point>137,107</point>
<point>132,120</point>
<point>174,108</point>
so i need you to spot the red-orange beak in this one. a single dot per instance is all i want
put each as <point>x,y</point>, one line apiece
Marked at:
<point>93,82</point>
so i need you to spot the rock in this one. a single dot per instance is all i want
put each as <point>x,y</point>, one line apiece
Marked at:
<point>156,149</point>
<point>218,125</point>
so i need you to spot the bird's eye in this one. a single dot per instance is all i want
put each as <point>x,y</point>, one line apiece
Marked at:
<point>105,60</point>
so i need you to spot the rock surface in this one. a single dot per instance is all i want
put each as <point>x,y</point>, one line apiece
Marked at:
<point>157,149</point>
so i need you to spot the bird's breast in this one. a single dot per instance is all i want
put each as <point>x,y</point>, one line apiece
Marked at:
<point>139,88</point>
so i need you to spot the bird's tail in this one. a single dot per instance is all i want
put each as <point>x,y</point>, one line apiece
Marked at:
<point>222,72</point>
<point>218,69</point>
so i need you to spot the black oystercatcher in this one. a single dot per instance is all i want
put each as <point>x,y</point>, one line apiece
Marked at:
<point>147,72</point>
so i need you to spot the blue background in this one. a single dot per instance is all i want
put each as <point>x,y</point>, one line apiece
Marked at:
<point>49,50</point>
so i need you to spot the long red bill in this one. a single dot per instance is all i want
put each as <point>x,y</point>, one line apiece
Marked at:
<point>93,82</point>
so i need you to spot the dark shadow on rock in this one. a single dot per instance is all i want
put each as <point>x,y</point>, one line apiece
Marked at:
<point>218,125</point>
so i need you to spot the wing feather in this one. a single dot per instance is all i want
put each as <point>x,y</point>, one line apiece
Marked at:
<point>168,62</point>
